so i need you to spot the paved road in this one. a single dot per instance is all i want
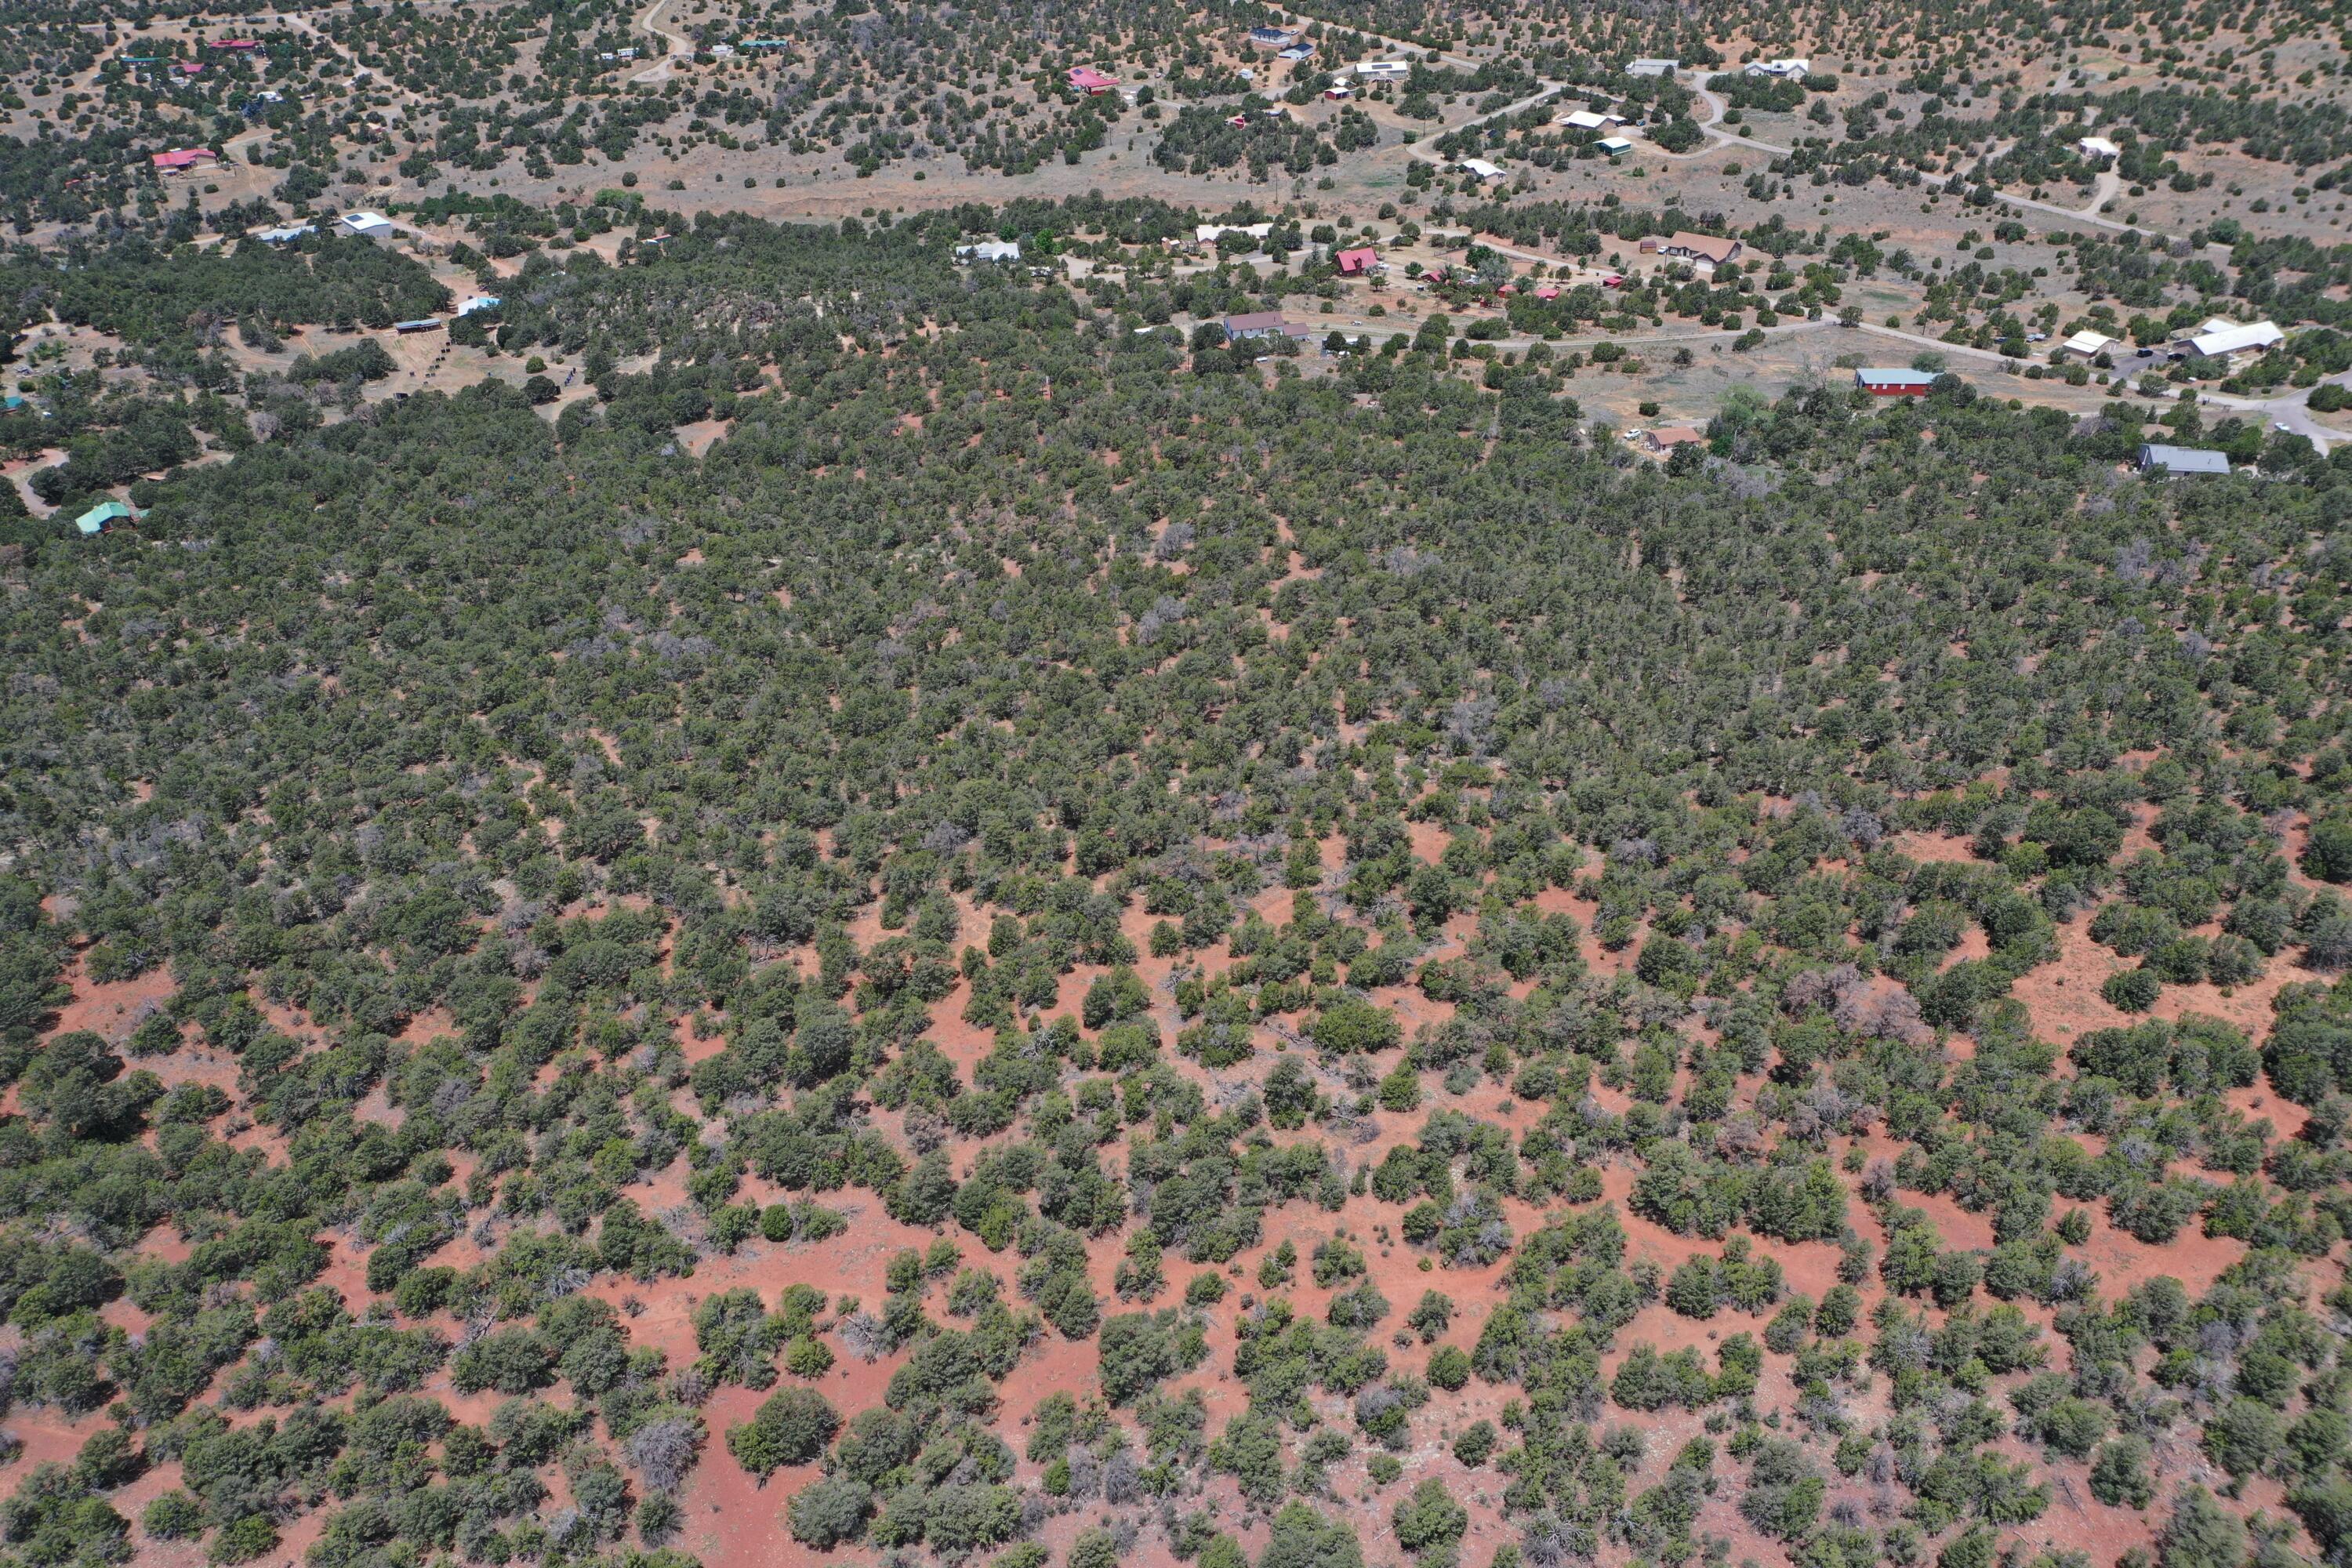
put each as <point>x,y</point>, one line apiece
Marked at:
<point>1419,146</point>
<point>2109,185</point>
<point>1388,45</point>
<point>1713,126</point>
<point>2290,412</point>
<point>659,71</point>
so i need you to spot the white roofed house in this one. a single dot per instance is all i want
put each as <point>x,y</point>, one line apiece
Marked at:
<point>1653,66</point>
<point>1210,233</point>
<point>988,250</point>
<point>2088,344</point>
<point>1383,70</point>
<point>1589,119</point>
<point>366,225</point>
<point>1480,170</point>
<point>2098,148</point>
<point>2222,342</point>
<point>1786,69</point>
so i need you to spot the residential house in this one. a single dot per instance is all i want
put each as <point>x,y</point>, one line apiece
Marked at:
<point>1615,146</point>
<point>1653,68</point>
<point>1264,324</point>
<point>181,159</point>
<point>477,303</point>
<point>1210,233</point>
<point>2098,148</point>
<point>1480,170</point>
<point>421,324</point>
<point>2088,344</point>
<point>723,51</point>
<point>1384,70</point>
<point>2156,458</point>
<point>1090,81</point>
<point>1362,261</point>
<point>1705,249</point>
<point>241,46</point>
<point>1896,383</point>
<point>2219,343</point>
<point>1337,93</point>
<point>1662,441</point>
<point>1296,52</point>
<point>366,225</point>
<point>1269,37</point>
<point>103,516</point>
<point>988,250</point>
<point>1782,69</point>
<point>285,234</point>
<point>1589,119</point>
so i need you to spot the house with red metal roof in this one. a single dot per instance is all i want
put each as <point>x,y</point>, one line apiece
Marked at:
<point>1090,81</point>
<point>1358,262</point>
<point>182,158</point>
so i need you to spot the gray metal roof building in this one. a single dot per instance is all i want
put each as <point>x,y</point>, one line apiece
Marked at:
<point>2155,458</point>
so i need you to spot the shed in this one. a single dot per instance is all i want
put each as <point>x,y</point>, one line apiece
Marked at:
<point>2156,458</point>
<point>1615,145</point>
<point>105,515</point>
<point>1895,383</point>
<point>421,324</point>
